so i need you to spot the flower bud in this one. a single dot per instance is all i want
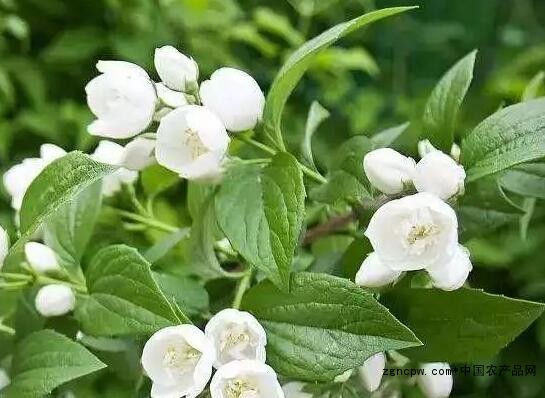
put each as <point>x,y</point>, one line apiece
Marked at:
<point>4,379</point>
<point>41,258</point>
<point>178,359</point>
<point>373,273</point>
<point>236,335</point>
<point>112,153</point>
<point>19,177</point>
<point>138,154</point>
<point>439,174</point>
<point>388,170</point>
<point>451,275</point>
<point>192,141</point>
<point>55,300</point>
<point>437,380</point>
<point>414,232</point>
<point>170,98</point>
<point>123,99</point>
<point>294,389</point>
<point>455,152</point>
<point>252,379</point>
<point>371,371</point>
<point>4,245</point>
<point>425,147</point>
<point>235,97</point>
<point>176,70</point>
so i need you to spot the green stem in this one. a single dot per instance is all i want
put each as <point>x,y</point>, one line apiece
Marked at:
<point>7,329</point>
<point>307,171</point>
<point>46,280</point>
<point>243,285</point>
<point>13,285</point>
<point>150,222</point>
<point>15,277</point>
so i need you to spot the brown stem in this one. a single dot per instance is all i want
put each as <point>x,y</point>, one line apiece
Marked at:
<point>334,224</point>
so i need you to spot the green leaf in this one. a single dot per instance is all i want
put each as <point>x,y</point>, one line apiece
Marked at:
<point>298,63</point>
<point>59,183</point>
<point>346,180</point>
<point>45,360</point>
<point>511,136</point>
<point>124,299</point>
<point>69,229</point>
<point>190,296</point>
<point>466,325</point>
<point>316,115</point>
<point>161,248</point>
<point>323,327</point>
<point>261,211</point>
<point>442,108</point>
<point>532,89</point>
<point>156,179</point>
<point>387,137</point>
<point>526,180</point>
<point>204,261</point>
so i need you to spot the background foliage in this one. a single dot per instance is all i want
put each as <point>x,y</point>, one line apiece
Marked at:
<point>374,79</point>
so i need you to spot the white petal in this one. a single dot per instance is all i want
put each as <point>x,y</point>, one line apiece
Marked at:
<point>171,98</point>
<point>4,245</point>
<point>439,174</point>
<point>373,273</point>
<point>235,97</point>
<point>138,154</point>
<point>184,375</point>
<point>18,178</point>
<point>388,170</point>
<point>55,300</point>
<point>175,69</point>
<point>4,379</point>
<point>451,275</point>
<point>41,258</point>
<point>109,152</point>
<point>123,102</point>
<point>262,378</point>
<point>413,232</point>
<point>121,67</point>
<point>236,335</point>
<point>50,152</point>
<point>436,385</point>
<point>191,141</point>
<point>372,370</point>
<point>294,389</point>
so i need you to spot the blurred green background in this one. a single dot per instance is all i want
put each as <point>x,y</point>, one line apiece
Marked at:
<point>374,79</point>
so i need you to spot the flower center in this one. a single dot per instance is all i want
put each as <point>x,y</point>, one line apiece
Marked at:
<point>194,143</point>
<point>235,337</point>
<point>241,388</point>
<point>420,232</point>
<point>181,358</point>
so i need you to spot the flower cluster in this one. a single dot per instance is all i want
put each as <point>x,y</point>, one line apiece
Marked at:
<point>419,231</point>
<point>179,359</point>
<point>190,134</point>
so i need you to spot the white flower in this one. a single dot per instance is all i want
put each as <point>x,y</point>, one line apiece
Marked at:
<point>122,98</point>
<point>245,379</point>
<point>388,171</point>
<point>4,245</point>
<point>191,141</point>
<point>438,385</point>
<point>451,275</point>
<point>55,300</point>
<point>235,97</point>
<point>178,359</point>
<point>112,153</point>
<point>236,335</point>
<point>371,371</point>
<point>425,147</point>
<point>41,258</point>
<point>176,70</point>
<point>373,273</point>
<point>19,177</point>
<point>414,232</point>
<point>4,379</point>
<point>439,174</point>
<point>138,154</point>
<point>171,98</point>
<point>294,389</point>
